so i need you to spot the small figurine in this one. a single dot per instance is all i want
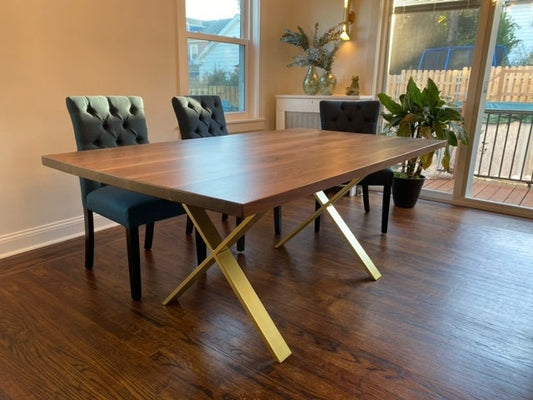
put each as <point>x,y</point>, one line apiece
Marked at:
<point>353,89</point>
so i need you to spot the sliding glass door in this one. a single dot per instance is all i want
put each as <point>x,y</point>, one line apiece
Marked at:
<point>503,158</point>
<point>480,56</point>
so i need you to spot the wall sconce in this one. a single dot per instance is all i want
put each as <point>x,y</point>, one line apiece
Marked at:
<point>349,18</point>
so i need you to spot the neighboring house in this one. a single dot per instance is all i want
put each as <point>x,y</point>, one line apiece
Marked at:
<point>521,13</point>
<point>204,56</point>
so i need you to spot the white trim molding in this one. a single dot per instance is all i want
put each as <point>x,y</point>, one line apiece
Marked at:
<point>44,235</point>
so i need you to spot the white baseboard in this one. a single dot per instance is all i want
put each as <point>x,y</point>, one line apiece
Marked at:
<point>44,235</point>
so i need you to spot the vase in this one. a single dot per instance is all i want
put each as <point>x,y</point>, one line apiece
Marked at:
<point>327,83</point>
<point>311,81</point>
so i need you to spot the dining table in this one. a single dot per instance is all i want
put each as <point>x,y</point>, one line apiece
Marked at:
<point>246,175</point>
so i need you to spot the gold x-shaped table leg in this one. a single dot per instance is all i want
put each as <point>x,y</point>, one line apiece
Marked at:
<point>328,206</point>
<point>222,255</point>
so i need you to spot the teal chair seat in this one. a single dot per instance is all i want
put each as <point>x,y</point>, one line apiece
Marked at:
<point>131,209</point>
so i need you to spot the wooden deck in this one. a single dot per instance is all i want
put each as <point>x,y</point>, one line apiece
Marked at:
<point>518,194</point>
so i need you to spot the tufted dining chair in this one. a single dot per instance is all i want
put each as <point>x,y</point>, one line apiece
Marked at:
<point>359,117</point>
<point>111,121</point>
<point>201,117</point>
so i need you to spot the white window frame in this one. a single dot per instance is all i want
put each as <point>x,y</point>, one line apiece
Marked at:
<point>191,48</point>
<point>237,121</point>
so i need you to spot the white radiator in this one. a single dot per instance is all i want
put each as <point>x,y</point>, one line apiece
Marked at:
<point>295,119</point>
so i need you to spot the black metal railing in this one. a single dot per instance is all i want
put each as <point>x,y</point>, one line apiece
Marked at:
<point>505,148</point>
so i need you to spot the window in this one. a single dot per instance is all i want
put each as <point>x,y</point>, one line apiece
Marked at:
<point>221,56</point>
<point>433,35</point>
<point>433,39</point>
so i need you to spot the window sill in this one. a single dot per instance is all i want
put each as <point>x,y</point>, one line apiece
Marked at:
<point>246,125</point>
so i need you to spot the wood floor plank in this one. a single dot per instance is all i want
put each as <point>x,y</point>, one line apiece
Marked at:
<point>528,199</point>
<point>451,318</point>
<point>517,195</point>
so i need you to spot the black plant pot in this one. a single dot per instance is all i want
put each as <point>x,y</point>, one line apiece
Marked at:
<point>405,191</point>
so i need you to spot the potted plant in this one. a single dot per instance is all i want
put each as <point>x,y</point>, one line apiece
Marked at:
<point>420,114</point>
<point>318,53</point>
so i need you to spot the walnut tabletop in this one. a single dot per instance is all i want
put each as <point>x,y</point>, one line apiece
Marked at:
<point>242,174</point>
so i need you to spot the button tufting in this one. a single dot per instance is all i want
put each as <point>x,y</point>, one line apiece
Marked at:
<point>113,110</point>
<point>91,110</point>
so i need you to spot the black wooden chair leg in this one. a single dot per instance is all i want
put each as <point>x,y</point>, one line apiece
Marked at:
<point>317,219</point>
<point>277,220</point>
<point>366,200</point>
<point>134,262</point>
<point>149,235</point>
<point>89,238</point>
<point>385,208</point>
<point>189,226</point>
<point>201,248</point>
<point>241,241</point>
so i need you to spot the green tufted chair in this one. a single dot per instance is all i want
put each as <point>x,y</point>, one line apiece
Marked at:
<point>111,121</point>
<point>201,117</point>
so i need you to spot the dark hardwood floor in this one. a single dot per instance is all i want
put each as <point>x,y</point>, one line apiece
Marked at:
<point>451,318</point>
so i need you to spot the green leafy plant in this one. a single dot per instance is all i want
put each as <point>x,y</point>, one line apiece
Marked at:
<point>423,114</point>
<point>319,52</point>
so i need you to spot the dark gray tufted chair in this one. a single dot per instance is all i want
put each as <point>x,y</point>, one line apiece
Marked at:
<point>100,122</point>
<point>203,116</point>
<point>360,117</point>
<point>200,116</point>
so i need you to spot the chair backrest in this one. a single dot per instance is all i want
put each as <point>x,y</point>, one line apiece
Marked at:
<point>106,121</point>
<point>200,116</point>
<point>350,116</point>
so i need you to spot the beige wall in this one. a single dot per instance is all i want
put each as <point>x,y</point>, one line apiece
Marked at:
<point>356,57</point>
<point>53,49</point>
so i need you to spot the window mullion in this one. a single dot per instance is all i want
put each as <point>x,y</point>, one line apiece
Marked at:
<point>409,6</point>
<point>216,38</point>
